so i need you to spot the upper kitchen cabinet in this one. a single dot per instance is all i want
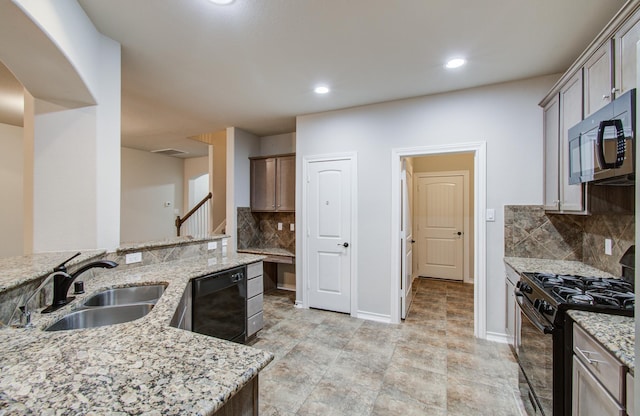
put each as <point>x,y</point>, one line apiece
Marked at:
<point>625,41</point>
<point>597,80</point>
<point>606,69</point>
<point>571,98</point>
<point>551,117</point>
<point>273,183</point>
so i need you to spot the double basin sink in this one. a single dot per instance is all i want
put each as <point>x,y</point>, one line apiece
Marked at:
<point>112,306</point>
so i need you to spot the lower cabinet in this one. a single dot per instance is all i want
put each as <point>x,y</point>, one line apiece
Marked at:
<point>598,378</point>
<point>512,316</point>
<point>255,317</point>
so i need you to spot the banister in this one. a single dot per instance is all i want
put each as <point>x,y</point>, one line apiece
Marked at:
<point>180,221</point>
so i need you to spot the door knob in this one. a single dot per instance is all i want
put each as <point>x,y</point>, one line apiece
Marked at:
<point>344,244</point>
<point>413,241</point>
<point>458,233</point>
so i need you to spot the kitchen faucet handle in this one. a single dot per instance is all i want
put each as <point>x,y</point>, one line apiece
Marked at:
<point>62,266</point>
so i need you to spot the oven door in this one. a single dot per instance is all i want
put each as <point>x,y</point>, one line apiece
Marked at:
<point>535,356</point>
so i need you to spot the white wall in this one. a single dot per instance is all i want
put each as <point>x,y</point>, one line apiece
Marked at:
<point>11,183</point>
<point>240,146</point>
<point>278,144</point>
<point>193,167</point>
<point>506,116</point>
<point>74,152</point>
<point>148,181</point>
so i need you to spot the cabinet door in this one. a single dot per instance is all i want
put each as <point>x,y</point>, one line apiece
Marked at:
<point>625,41</point>
<point>551,118</point>
<point>263,184</point>
<point>286,183</point>
<point>571,197</point>
<point>597,80</point>
<point>589,398</point>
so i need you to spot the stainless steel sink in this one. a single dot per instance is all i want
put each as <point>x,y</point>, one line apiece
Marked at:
<point>95,317</point>
<point>126,295</point>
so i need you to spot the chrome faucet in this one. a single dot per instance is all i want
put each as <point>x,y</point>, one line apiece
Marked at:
<point>62,281</point>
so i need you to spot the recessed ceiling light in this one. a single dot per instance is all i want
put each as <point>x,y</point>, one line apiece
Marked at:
<point>222,2</point>
<point>455,63</point>
<point>321,90</point>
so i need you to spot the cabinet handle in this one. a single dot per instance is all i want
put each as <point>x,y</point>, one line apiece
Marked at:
<point>615,90</point>
<point>586,354</point>
<point>605,97</point>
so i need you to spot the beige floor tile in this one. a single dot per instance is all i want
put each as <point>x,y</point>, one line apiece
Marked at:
<point>332,364</point>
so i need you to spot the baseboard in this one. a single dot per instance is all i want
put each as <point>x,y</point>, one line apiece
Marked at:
<point>377,317</point>
<point>298,304</point>
<point>289,288</point>
<point>497,337</point>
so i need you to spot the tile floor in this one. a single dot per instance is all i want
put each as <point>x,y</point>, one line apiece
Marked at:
<point>331,364</point>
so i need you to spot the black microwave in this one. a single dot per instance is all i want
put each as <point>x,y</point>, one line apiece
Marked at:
<point>601,147</point>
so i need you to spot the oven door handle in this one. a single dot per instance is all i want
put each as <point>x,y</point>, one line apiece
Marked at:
<point>528,311</point>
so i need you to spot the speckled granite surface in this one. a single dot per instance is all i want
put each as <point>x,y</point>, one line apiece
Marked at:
<point>267,251</point>
<point>16,271</point>
<point>616,333</point>
<point>125,247</point>
<point>522,264</point>
<point>139,367</point>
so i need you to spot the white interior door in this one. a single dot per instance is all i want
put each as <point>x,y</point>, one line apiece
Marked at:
<point>440,226</point>
<point>406,236</point>
<point>329,235</point>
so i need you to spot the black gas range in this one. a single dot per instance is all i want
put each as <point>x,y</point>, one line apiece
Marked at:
<point>544,344</point>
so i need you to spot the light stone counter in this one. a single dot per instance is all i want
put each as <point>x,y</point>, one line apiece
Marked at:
<point>616,333</point>
<point>19,270</point>
<point>140,367</point>
<point>267,251</point>
<point>521,264</point>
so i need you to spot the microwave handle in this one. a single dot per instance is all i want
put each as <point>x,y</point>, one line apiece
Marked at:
<point>620,152</point>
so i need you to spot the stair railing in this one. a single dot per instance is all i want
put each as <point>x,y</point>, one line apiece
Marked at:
<point>199,224</point>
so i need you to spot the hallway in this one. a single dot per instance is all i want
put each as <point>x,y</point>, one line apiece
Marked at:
<point>331,364</point>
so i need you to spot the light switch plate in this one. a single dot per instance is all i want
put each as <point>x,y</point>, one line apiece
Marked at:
<point>491,214</point>
<point>133,258</point>
<point>292,227</point>
<point>608,246</point>
<point>279,226</point>
<point>212,245</point>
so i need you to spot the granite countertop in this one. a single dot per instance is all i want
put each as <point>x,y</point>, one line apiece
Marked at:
<point>168,242</point>
<point>273,251</point>
<point>19,270</point>
<point>615,333</point>
<point>139,367</point>
<point>521,264</point>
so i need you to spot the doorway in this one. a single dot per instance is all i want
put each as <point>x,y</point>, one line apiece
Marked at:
<point>477,241</point>
<point>329,209</point>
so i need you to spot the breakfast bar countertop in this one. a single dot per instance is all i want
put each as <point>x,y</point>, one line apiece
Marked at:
<point>140,367</point>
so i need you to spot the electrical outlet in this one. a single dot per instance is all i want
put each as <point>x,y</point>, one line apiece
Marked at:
<point>279,226</point>
<point>292,227</point>
<point>133,258</point>
<point>608,246</point>
<point>212,245</point>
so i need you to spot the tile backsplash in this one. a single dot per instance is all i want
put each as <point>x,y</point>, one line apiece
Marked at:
<point>260,230</point>
<point>530,232</point>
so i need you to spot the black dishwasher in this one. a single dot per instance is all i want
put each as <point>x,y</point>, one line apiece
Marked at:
<point>219,305</point>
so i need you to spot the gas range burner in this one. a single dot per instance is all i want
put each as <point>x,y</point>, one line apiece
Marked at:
<point>573,295</point>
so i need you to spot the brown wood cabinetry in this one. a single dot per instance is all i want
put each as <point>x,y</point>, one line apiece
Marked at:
<point>606,69</point>
<point>273,183</point>
<point>597,80</point>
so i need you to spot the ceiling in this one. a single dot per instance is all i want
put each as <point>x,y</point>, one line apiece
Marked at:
<point>191,67</point>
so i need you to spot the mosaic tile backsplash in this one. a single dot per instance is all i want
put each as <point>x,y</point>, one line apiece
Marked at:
<point>530,232</point>
<point>260,230</point>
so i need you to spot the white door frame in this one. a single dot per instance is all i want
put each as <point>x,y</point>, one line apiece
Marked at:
<point>479,150</point>
<point>466,275</point>
<point>353,243</point>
